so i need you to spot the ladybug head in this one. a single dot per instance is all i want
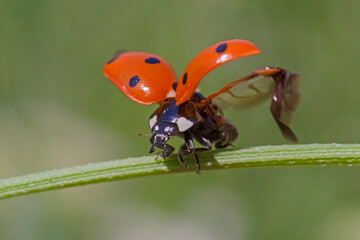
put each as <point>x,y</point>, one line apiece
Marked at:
<point>161,133</point>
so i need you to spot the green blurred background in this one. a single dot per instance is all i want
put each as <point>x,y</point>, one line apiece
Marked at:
<point>57,110</point>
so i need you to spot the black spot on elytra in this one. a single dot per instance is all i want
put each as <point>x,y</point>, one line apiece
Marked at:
<point>174,86</point>
<point>221,48</point>
<point>134,81</point>
<point>116,55</point>
<point>152,60</point>
<point>184,78</point>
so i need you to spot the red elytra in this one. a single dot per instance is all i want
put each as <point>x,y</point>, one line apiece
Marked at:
<point>209,59</point>
<point>156,78</point>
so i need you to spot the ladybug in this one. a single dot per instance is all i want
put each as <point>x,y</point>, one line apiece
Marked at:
<point>147,78</point>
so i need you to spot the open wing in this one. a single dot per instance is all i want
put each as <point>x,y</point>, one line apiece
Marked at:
<point>210,58</point>
<point>143,77</point>
<point>259,86</point>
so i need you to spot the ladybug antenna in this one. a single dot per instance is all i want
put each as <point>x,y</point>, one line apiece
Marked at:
<point>144,134</point>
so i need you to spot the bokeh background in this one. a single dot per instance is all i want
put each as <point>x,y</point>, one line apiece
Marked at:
<point>57,110</point>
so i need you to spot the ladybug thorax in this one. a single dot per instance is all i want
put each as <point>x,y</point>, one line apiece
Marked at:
<point>180,117</point>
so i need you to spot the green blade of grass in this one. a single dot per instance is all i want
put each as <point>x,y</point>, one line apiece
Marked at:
<point>265,156</point>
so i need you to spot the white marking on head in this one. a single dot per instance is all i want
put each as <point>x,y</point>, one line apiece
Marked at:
<point>161,135</point>
<point>167,129</point>
<point>152,121</point>
<point>156,128</point>
<point>171,94</point>
<point>184,124</point>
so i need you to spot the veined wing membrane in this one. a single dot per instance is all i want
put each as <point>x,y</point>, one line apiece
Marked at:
<point>276,83</point>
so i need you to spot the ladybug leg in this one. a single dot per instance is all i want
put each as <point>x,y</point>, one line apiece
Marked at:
<point>189,143</point>
<point>183,152</point>
<point>186,149</point>
<point>168,150</point>
<point>223,141</point>
<point>227,134</point>
<point>207,147</point>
